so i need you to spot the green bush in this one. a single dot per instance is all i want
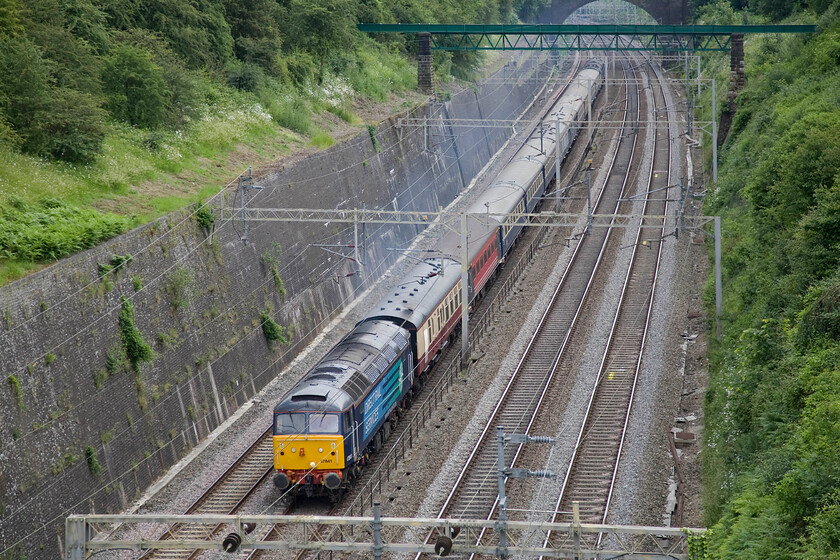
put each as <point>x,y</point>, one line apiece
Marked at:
<point>245,77</point>
<point>17,391</point>
<point>135,87</point>
<point>204,216</point>
<point>52,229</point>
<point>92,461</point>
<point>179,287</point>
<point>136,349</point>
<point>272,331</point>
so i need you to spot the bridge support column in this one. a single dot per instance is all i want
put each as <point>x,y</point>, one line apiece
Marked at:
<point>736,65</point>
<point>737,80</point>
<point>424,62</point>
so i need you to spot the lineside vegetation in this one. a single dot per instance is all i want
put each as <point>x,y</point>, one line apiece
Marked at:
<point>123,111</point>
<point>772,442</point>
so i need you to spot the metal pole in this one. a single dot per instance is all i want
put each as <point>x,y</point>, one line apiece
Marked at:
<point>589,106</point>
<point>698,76</point>
<point>74,537</point>
<point>242,205</point>
<point>356,243</point>
<point>377,532</point>
<point>718,279</point>
<point>607,80</point>
<point>588,195</point>
<point>687,91</point>
<point>556,157</point>
<point>714,133</point>
<point>465,295</point>
<point>500,438</point>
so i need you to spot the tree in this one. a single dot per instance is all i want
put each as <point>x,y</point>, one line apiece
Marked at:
<point>319,26</point>
<point>10,18</point>
<point>254,25</point>
<point>75,126</point>
<point>135,86</point>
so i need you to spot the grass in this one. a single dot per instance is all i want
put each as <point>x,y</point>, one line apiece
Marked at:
<point>143,175</point>
<point>321,140</point>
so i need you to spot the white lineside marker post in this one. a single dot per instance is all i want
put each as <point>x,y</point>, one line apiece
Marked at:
<point>607,79</point>
<point>589,107</point>
<point>698,76</point>
<point>465,296</point>
<point>588,195</point>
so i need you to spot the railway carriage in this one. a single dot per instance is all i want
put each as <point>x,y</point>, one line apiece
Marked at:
<point>427,305</point>
<point>342,410</point>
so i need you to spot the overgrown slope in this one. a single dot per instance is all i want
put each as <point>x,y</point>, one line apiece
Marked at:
<point>139,108</point>
<point>771,461</point>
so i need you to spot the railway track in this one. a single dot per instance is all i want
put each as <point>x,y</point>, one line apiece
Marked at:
<point>360,498</point>
<point>233,488</point>
<point>474,494</point>
<point>224,496</point>
<point>592,470</point>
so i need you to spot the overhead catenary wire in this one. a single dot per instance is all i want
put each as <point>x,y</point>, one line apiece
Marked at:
<point>182,258</point>
<point>479,141</point>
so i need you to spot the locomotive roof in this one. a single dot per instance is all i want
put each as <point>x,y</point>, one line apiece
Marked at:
<point>411,302</point>
<point>343,376</point>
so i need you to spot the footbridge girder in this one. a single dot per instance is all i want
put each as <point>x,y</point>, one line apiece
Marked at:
<point>575,37</point>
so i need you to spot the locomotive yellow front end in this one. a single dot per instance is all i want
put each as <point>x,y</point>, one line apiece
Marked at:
<point>308,451</point>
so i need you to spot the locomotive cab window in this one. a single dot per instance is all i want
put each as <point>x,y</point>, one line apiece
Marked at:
<point>289,423</point>
<point>323,423</point>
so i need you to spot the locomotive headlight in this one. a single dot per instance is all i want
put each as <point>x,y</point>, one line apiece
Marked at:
<point>293,449</point>
<point>320,450</point>
<point>312,464</point>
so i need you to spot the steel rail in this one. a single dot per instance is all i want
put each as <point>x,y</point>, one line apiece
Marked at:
<point>555,366</point>
<point>578,481</point>
<point>664,207</point>
<point>536,353</point>
<point>372,474</point>
<point>225,496</point>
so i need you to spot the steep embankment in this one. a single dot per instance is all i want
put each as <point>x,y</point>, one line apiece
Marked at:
<point>772,474</point>
<point>118,360</point>
<point>130,110</point>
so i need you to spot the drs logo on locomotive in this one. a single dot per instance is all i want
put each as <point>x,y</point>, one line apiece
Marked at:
<point>386,392</point>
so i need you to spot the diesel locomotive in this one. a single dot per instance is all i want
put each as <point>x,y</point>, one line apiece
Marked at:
<point>343,409</point>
